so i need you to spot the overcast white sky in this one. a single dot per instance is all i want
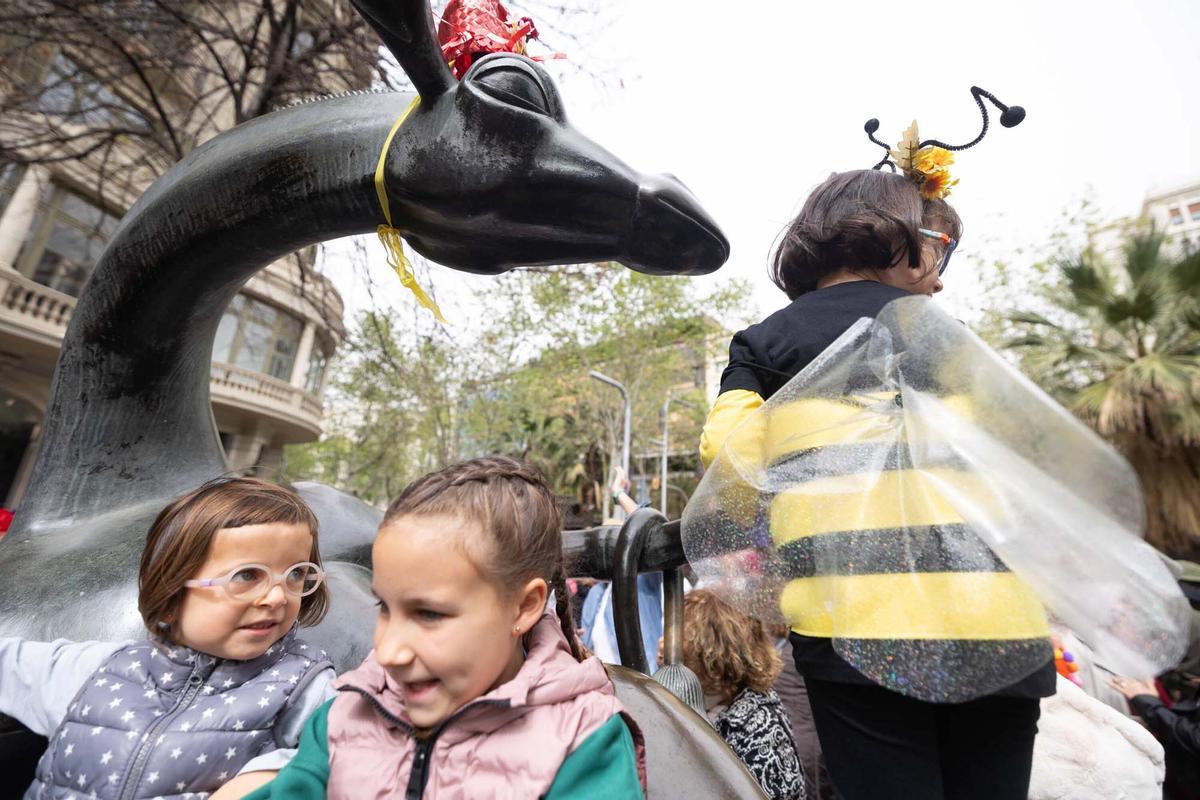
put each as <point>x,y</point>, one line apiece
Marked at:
<point>752,104</point>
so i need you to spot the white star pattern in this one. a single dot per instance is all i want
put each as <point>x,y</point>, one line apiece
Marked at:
<point>102,682</point>
<point>179,786</point>
<point>112,777</point>
<point>270,687</point>
<point>237,726</point>
<point>191,659</point>
<point>225,684</point>
<point>274,673</point>
<point>70,749</point>
<point>116,701</point>
<point>82,779</point>
<point>208,690</point>
<point>131,735</point>
<point>185,727</point>
<point>96,730</point>
<point>231,752</point>
<point>161,736</point>
<point>158,713</point>
<point>208,712</point>
<point>152,777</point>
<point>171,654</point>
<point>262,702</point>
<point>149,694</point>
<point>167,677</point>
<point>107,757</point>
<point>133,666</point>
<point>303,647</point>
<point>128,715</point>
<point>114,687</point>
<point>292,680</point>
<point>177,752</point>
<point>223,776</point>
<point>86,710</point>
<point>200,759</point>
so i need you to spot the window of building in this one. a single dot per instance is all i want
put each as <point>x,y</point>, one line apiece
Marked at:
<point>1194,211</point>
<point>69,91</point>
<point>258,337</point>
<point>10,176</point>
<point>316,370</point>
<point>1175,216</point>
<point>65,240</point>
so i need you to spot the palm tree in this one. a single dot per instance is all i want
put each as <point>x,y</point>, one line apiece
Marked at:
<point>1120,346</point>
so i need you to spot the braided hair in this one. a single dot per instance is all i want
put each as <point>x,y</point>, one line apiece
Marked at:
<point>514,505</point>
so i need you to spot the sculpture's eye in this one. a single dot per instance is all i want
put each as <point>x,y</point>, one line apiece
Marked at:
<point>511,80</point>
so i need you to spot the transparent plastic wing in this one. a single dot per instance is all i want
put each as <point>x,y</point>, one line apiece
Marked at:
<point>913,498</point>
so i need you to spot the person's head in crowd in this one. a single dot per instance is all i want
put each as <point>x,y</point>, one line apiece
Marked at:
<point>729,651</point>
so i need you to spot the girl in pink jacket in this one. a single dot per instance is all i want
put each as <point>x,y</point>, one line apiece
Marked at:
<point>473,689</point>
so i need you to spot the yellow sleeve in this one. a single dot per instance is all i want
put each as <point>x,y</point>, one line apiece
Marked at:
<point>727,413</point>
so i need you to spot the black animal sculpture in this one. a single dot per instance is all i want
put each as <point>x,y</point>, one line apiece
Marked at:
<point>484,175</point>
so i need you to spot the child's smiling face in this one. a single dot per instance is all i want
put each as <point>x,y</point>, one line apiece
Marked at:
<point>445,634</point>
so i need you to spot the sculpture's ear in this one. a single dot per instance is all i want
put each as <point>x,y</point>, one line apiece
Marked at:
<point>406,27</point>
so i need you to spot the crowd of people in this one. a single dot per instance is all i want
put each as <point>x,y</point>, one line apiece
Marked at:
<point>480,676</point>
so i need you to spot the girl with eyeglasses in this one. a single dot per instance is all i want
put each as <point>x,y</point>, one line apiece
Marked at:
<point>863,239</point>
<point>215,699</point>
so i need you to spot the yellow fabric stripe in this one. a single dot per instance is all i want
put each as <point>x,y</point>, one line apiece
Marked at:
<point>730,409</point>
<point>940,605</point>
<point>813,422</point>
<point>817,422</point>
<point>871,501</point>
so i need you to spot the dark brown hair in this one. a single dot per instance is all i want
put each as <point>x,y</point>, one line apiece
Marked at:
<point>178,542</point>
<point>727,650</point>
<point>513,505</point>
<point>864,219</point>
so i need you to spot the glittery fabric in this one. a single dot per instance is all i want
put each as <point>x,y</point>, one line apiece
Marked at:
<point>912,497</point>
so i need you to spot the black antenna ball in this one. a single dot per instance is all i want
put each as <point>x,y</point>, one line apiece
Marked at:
<point>873,124</point>
<point>1012,116</point>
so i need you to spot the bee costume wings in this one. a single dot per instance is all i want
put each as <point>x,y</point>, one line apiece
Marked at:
<point>915,499</point>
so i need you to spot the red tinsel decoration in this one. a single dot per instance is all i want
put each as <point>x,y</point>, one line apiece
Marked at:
<point>471,29</point>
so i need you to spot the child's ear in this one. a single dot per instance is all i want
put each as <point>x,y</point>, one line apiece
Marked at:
<point>532,604</point>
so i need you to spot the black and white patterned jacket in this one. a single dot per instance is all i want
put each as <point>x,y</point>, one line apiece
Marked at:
<point>756,727</point>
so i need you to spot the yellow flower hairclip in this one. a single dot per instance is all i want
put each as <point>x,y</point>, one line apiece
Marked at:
<point>924,166</point>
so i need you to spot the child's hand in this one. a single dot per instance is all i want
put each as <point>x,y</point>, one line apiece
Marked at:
<point>620,481</point>
<point>1132,687</point>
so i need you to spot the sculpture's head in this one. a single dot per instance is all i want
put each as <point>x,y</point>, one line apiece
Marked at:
<point>487,174</point>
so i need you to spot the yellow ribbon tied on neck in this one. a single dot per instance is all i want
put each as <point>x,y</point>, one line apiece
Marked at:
<point>390,235</point>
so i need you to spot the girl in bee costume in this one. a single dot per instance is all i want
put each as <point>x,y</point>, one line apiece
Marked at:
<point>910,506</point>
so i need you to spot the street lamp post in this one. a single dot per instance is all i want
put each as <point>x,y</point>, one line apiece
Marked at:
<point>665,417</point>
<point>620,387</point>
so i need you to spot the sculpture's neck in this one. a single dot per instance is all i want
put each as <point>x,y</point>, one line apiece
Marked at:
<point>128,418</point>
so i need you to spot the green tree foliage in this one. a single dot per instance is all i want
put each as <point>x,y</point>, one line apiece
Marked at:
<point>1117,340</point>
<point>405,402</point>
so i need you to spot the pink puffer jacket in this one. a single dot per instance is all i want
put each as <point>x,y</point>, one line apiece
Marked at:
<point>509,743</point>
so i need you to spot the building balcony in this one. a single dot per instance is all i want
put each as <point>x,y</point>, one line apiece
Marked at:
<point>32,310</point>
<point>257,414</point>
<point>296,414</point>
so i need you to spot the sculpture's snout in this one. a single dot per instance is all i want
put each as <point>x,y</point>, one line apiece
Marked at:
<point>671,234</point>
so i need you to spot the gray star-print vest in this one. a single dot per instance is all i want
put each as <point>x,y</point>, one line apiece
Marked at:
<point>161,721</point>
